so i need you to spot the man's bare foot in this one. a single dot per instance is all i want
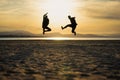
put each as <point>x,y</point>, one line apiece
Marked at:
<point>75,33</point>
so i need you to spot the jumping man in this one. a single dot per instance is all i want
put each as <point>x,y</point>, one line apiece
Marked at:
<point>72,25</point>
<point>45,23</point>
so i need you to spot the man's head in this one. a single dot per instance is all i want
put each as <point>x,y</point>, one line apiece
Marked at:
<point>69,16</point>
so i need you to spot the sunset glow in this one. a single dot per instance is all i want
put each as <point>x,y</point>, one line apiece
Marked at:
<point>92,16</point>
<point>58,9</point>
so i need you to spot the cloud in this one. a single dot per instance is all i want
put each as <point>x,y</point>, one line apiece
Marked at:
<point>102,10</point>
<point>10,4</point>
<point>18,7</point>
<point>107,17</point>
<point>11,7</point>
<point>100,0</point>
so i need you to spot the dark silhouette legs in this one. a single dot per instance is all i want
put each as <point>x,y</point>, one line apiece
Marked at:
<point>72,26</point>
<point>45,24</point>
<point>46,29</point>
<point>69,25</point>
<point>73,30</point>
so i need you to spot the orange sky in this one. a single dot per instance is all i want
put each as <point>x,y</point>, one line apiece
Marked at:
<point>92,16</point>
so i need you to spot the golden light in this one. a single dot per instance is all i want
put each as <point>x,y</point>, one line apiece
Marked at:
<point>57,38</point>
<point>58,9</point>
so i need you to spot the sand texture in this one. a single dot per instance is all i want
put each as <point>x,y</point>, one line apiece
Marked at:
<point>59,60</point>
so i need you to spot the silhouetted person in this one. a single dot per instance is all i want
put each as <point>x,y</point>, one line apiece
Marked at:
<point>72,25</point>
<point>45,23</point>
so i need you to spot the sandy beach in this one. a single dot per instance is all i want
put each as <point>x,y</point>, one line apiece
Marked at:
<point>60,60</point>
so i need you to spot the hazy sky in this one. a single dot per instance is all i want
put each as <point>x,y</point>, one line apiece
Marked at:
<point>93,16</point>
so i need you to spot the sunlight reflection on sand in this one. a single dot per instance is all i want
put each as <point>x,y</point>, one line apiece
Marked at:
<point>57,38</point>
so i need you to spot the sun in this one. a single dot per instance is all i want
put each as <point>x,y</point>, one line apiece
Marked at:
<point>58,9</point>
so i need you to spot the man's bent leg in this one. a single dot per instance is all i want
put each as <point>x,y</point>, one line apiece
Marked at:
<point>73,30</point>
<point>69,25</point>
<point>48,29</point>
<point>43,31</point>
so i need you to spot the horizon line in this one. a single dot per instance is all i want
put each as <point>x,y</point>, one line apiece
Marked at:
<point>55,38</point>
